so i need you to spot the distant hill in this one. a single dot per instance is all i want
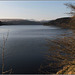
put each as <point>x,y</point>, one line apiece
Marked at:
<point>20,22</point>
<point>60,22</point>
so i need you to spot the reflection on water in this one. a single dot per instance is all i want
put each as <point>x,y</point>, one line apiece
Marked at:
<point>26,46</point>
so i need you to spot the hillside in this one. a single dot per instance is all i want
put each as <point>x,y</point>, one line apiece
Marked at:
<point>60,22</point>
<point>20,22</point>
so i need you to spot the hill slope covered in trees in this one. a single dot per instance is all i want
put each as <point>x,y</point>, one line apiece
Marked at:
<point>60,22</point>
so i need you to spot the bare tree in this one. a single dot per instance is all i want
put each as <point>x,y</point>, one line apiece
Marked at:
<point>71,6</point>
<point>3,57</point>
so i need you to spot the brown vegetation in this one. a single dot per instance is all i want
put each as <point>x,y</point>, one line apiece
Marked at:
<point>64,49</point>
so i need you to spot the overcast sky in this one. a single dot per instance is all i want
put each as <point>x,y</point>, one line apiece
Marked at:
<point>37,10</point>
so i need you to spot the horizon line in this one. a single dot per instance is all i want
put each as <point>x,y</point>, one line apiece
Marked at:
<point>31,19</point>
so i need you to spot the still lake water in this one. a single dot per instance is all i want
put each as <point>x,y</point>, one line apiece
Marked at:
<point>26,46</point>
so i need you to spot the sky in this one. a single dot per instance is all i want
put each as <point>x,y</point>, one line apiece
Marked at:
<point>35,10</point>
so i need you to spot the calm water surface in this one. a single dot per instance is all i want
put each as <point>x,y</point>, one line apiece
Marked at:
<point>26,46</point>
